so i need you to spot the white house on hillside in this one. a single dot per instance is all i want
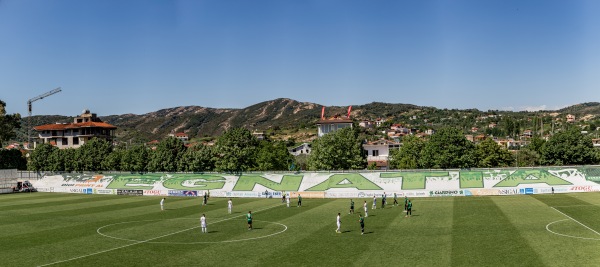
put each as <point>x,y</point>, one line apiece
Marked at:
<point>379,151</point>
<point>304,148</point>
<point>333,124</point>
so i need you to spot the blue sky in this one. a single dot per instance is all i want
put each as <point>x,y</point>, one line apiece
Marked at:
<point>117,57</point>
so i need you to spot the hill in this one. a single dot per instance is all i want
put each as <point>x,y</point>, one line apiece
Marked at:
<point>290,118</point>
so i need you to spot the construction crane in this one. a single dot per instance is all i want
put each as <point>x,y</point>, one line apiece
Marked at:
<point>29,102</point>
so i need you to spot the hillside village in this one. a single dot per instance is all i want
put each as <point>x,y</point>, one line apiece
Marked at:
<point>381,126</point>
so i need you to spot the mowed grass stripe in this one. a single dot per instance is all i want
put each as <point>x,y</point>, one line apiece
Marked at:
<point>67,199</point>
<point>582,211</point>
<point>482,235</point>
<point>408,241</point>
<point>9,199</point>
<point>154,254</point>
<point>531,217</point>
<point>84,212</point>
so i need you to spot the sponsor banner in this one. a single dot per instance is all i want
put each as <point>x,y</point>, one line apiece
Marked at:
<point>270,194</point>
<point>416,194</point>
<point>341,194</point>
<point>508,192</point>
<point>526,191</point>
<point>81,190</point>
<point>480,192</point>
<point>243,194</point>
<point>183,193</point>
<point>215,194</point>
<point>154,193</point>
<point>130,192</point>
<point>104,191</point>
<point>583,188</point>
<point>445,193</point>
<point>542,190</point>
<point>308,194</point>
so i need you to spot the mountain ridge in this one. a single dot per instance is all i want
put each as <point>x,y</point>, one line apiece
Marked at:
<point>284,113</point>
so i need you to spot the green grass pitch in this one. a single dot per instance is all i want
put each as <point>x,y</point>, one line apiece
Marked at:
<point>41,229</point>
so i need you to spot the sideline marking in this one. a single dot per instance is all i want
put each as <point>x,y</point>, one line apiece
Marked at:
<point>145,241</point>
<point>190,243</point>
<point>576,221</point>
<point>572,236</point>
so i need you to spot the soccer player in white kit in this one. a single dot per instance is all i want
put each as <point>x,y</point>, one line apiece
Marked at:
<point>229,205</point>
<point>162,204</point>
<point>365,206</point>
<point>203,223</point>
<point>374,202</point>
<point>287,201</point>
<point>339,224</point>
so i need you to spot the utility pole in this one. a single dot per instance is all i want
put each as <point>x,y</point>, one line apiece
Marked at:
<point>29,108</point>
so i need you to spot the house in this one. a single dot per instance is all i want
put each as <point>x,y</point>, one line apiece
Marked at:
<point>366,124</point>
<point>527,134</point>
<point>429,132</point>
<point>304,148</point>
<point>379,151</point>
<point>492,125</point>
<point>73,135</point>
<point>570,118</point>
<point>181,136</point>
<point>329,125</point>
<point>474,129</point>
<point>596,142</point>
<point>259,135</point>
<point>379,122</point>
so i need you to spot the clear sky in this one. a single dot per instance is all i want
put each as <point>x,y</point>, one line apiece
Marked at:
<point>117,57</point>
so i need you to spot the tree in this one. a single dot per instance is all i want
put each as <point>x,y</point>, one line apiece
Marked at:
<point>198,158</point>
<point>12,159</point>
<point>40,159</point>
<point>236,151</point>
<point>8,124</point>
<point>536,144</point>
<point>300,162</point>
<point>448,148</point>
<point>569,147</point>
<point>408,156</point>
<point>273,156</point>
<point>92,154</point>
<point>166,156</point>
<point>489,154</point>
<point>527,157</point>
<point>340,150</point>
<point>113,161</point>
<point>135,159</point>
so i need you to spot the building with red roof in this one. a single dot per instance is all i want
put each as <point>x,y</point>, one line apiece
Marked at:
<point>73,135</point>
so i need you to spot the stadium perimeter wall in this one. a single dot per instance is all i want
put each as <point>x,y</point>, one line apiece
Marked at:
<point>331,184</point>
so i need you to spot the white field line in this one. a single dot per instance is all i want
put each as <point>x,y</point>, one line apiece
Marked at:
<point>571,236</point>
<point>145,241</point>
<point>576,221</point>
<point>581,205</point>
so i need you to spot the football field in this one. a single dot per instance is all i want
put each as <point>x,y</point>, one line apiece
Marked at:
<point>55,229</point>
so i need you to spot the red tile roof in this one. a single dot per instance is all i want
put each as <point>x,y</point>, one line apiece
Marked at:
<point>55,127</point>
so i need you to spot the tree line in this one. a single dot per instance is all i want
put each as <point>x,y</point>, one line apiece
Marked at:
<point>237,150</point>
<point>449,148</point>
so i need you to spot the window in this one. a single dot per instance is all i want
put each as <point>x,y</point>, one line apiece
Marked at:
<point>375,153</point>
<point>75,141</point>
<point>65,142</point>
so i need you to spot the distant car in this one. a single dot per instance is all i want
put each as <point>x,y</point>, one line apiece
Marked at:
<point>25,186</point>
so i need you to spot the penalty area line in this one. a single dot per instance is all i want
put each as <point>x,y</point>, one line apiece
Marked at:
<point>576,221</point>
<point>147,240</point>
